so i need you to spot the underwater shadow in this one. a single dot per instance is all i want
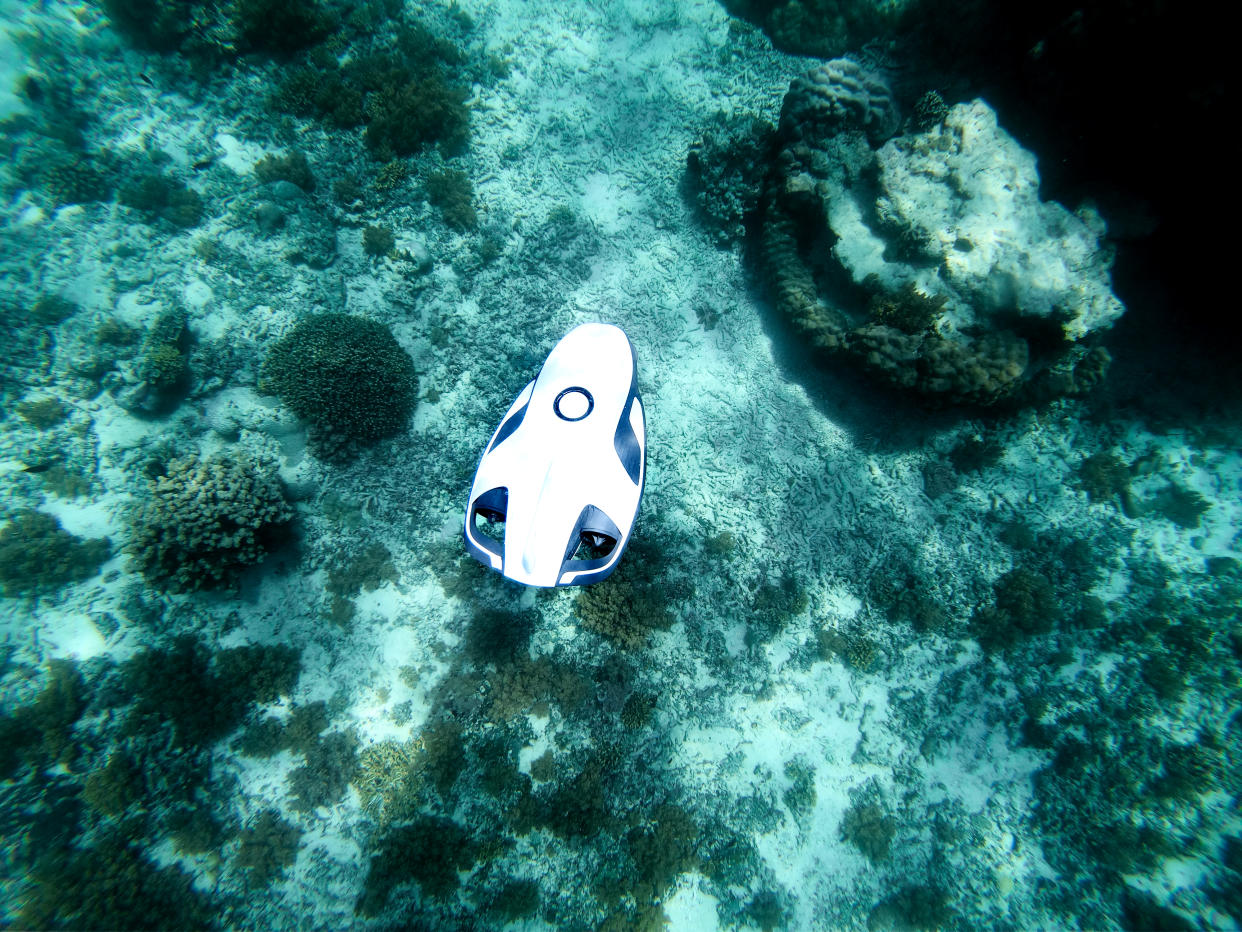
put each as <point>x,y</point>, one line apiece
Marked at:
<point>1175,361</point>
<point>874,413</point>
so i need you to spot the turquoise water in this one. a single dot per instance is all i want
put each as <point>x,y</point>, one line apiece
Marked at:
<point>930,615</point>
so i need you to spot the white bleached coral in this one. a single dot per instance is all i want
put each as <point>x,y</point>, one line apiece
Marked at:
<point>968,195</point>
<point>931,260</point>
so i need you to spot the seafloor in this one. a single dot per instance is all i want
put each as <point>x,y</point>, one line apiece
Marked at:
<point>867,664</point>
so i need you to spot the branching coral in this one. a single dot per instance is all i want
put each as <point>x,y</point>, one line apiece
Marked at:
<point>292,167</point>
<point>870,828</point>
<point>773,605</point>
<point>160,376</point>
<point>726,167</point>
<point>157,196</point>
<point>211,29</point>
<point>1026,605</point>
<point>524,685</point>
<point>908,310</point>
<point>201,696</point>
<point>1103,476</point>
<point>279,26</point>
<point>38,556</point>
<point>378,240</point>
<point>42,731</point>
<point>76,178</point>
<point>331,764</point>
<point>115,786</point>
<point>206,520</point>
<point>158,25</point>
<point>428,851</point>
<point>451,191</point>
<point>110,885</point>
<point>268,845</point>
<point>629,605</point>
<point>403,119</point>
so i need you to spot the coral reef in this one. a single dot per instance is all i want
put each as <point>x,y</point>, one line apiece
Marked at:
<point>159,377</point>
<point>907,310</point>
<point>347,377</point>
<point>158,197</point>
<point>428,851</point>
<point>201,696</point>
<point>38,556</point>
<point>292,167</point>
<point>111,885</point>
<point>451,191</point>
<point>827,590</point>
<point>870,828</point>
<point>205,520</point>
<point>972,194</point>
<point>404,118</point>
<point>840,94</point>
<point>268,846</point>
<point>726,167</point>
<point>930,261</point>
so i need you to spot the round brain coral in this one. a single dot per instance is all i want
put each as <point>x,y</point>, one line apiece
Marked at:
<point>347,377</point>
<point>206,520</point>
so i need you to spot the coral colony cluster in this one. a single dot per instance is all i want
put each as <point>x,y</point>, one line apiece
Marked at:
<point>930,619</point>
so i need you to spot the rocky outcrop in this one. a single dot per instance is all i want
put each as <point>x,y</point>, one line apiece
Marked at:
<point>929,257</point>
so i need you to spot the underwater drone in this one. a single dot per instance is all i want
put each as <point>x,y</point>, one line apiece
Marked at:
<point>557,489</point>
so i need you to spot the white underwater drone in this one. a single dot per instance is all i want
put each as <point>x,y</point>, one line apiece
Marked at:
<point>557,489</point>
